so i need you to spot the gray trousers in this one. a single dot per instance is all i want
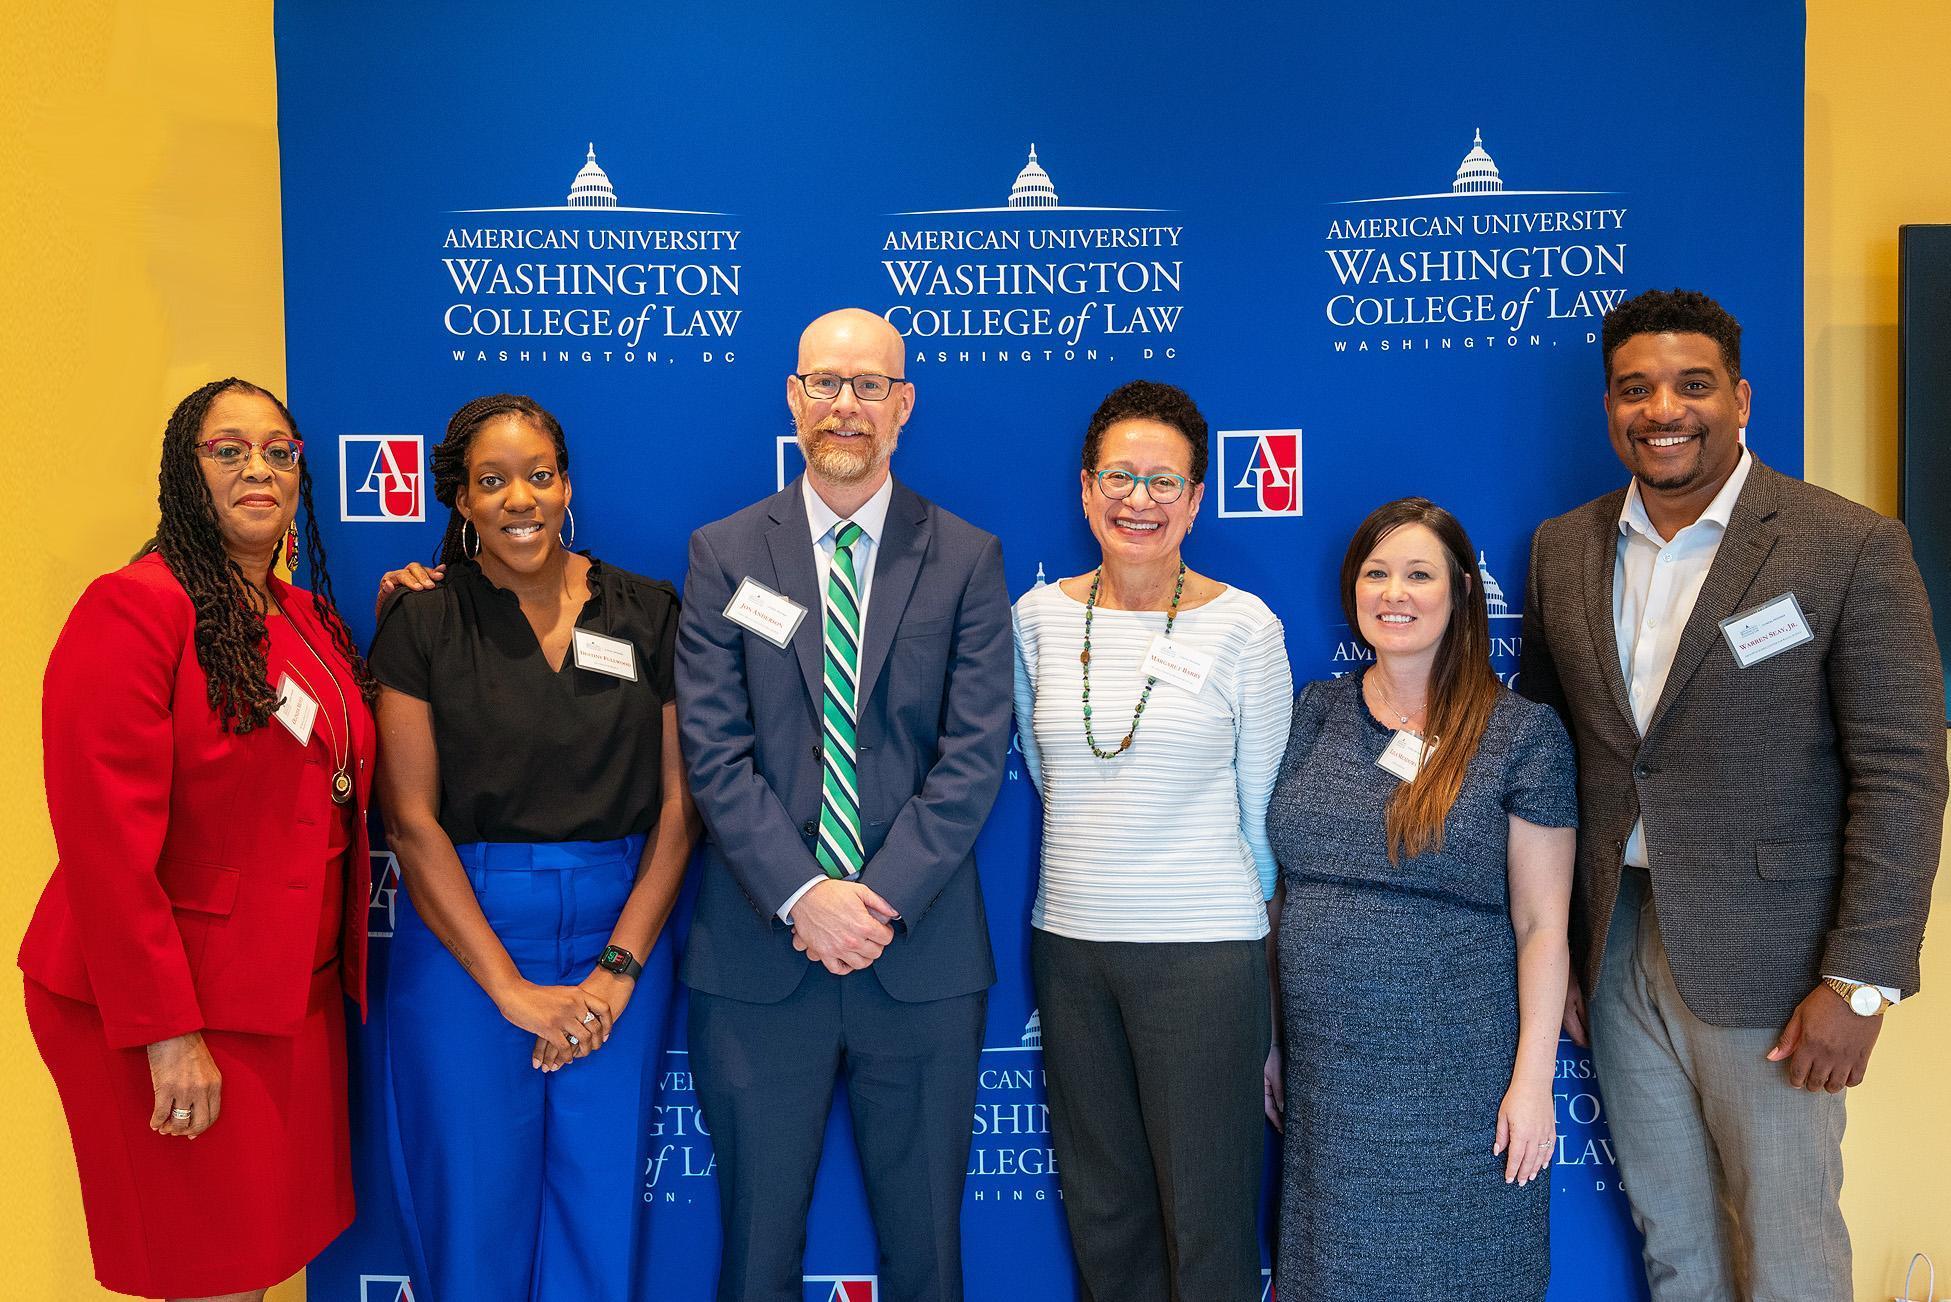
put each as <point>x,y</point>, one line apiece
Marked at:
<point>1153,1054</point>
<point>1734,1176</point>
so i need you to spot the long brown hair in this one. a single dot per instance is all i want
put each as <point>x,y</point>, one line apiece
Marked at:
<point>1463,689</point>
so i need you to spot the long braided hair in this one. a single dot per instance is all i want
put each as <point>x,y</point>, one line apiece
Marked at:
<point>230,634</point>
<point>450,456</point>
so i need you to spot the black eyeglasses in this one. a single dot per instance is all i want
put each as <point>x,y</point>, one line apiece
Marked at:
<point>826,386</point>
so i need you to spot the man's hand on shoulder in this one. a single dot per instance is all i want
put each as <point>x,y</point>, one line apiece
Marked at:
<point>843,925</point>
<point>1827,1047</point>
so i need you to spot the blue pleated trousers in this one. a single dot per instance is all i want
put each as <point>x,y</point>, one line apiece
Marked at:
<point>518,1185</point>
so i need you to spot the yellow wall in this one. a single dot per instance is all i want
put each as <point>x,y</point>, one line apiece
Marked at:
<point>139,244</point>
<point>1879,112</point>
<point>139,236</point>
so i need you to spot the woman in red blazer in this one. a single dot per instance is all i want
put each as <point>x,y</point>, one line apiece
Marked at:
<point>209,748</point>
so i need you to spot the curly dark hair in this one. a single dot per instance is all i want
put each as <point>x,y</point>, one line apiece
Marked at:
<point>1149,400</point>
<point>450,455</point>
<point>230,634</point>
<point>1672,311</point>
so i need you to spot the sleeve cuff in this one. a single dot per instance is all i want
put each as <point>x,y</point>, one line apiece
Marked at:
<point>786,909</point>
<point>1894,995</point>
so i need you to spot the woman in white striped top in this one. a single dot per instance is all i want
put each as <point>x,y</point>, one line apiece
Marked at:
<point>1153,706</point>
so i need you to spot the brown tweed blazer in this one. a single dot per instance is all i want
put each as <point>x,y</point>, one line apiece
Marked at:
<point>1793,809</point>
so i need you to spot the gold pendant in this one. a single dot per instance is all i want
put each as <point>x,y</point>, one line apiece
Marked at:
<point>341,787</point>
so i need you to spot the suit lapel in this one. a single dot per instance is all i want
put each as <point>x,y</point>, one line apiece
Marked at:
<point>897,564</point>
<point>1750,537</point>
<point>1599,564</point>
<point>795,576</point>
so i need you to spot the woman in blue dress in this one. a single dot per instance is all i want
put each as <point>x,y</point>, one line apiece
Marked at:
<point>1423,821</point>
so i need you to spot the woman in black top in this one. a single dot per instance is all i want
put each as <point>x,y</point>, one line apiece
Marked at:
<point>535,798</point>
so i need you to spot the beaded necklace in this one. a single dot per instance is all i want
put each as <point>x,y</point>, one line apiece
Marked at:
<point>1090,608</point>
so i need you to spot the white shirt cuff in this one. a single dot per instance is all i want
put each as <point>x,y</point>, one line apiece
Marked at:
<point>1894,996</point>
<point>786,909</point>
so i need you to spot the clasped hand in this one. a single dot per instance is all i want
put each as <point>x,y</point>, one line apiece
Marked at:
<point>842,925</point>
<point>568,1022</point>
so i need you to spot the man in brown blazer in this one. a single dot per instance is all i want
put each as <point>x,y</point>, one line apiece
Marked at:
<point>1746,666</point>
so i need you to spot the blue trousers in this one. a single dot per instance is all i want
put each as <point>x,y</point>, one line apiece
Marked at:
<point>518,1185</point>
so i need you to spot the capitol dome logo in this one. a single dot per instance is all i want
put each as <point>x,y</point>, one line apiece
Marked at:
<point>1477,174</point>
<point>1498,606</point>
<point>1032,191</point>
<point>591,190</point>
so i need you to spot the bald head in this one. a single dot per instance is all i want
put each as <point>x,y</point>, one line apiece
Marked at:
<point>848,438</point>
<point>854,332</point>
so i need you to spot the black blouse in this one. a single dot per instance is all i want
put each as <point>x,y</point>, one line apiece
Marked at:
<point>526,753</point>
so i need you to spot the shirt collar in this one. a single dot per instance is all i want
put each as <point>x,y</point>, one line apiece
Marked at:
<point>871,517</point>
<point>1633,518</point>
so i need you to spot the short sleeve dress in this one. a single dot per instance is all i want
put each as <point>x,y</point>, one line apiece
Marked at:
<point>1399,1005</point>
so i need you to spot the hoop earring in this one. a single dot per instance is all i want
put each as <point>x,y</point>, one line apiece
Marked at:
<point>291,550</point>
<point>566,542</point>
<point>467,524</point>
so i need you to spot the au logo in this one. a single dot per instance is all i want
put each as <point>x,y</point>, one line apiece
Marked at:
<point>381,478</point>
<point>842,1288</point>
<point>385,1288</point>
<point>382,908</point>
<point>1259,472</point>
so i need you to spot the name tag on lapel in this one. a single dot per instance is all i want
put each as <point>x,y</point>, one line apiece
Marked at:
<point>758,608</point>
<point>605,655</point>
<point>1767,630</point>
<point>297,711</point>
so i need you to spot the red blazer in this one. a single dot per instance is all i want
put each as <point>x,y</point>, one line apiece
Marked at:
<point>192,860</point>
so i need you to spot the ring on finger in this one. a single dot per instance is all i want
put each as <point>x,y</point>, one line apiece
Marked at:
<point>572,1039</point>
<point>182,1114</point>
<point>588,1017</point>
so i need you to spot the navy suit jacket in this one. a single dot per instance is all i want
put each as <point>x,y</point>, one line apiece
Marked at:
<point>933,734</point>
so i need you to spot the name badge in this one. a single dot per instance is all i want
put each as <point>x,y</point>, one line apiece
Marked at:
<point>1767,630</point>
<point>765,612</point>
<point>1405,754</point>
<point>1172,662</point>
<point>605,655</point>
<point>297,711</point>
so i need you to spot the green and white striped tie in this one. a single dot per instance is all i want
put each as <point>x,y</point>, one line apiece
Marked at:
<point>840,851</point>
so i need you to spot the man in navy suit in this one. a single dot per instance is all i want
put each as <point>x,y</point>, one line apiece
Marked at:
<point>844,696</point>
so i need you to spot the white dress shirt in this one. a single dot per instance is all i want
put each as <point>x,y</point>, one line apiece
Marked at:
<point>823,525</point>
<point>1655,583</point>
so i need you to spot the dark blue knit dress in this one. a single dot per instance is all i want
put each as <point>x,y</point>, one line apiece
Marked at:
<point>1399,994</point>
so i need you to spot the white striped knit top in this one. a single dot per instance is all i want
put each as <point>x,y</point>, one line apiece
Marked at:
<point>1167,842</point>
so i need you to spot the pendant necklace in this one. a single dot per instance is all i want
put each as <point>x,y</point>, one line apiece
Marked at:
<point>1402,719</point>
<point>1090,608</point>
<point>341,761</point>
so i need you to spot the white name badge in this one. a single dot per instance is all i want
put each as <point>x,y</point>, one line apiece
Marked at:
<point>605,655</point>
<point>1405,754</point>
<point>297,711</point>
<point>1173,662</point>
<point>1767,630</point>
<point>765,612</point>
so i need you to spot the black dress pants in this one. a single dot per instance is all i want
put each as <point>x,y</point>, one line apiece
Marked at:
<point>1154,1053</point>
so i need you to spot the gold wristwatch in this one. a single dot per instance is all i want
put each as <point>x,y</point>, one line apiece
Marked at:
<point>1864,1001</point>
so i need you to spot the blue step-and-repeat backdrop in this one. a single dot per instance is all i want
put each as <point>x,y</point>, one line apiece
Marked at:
<point>1373,241</point>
